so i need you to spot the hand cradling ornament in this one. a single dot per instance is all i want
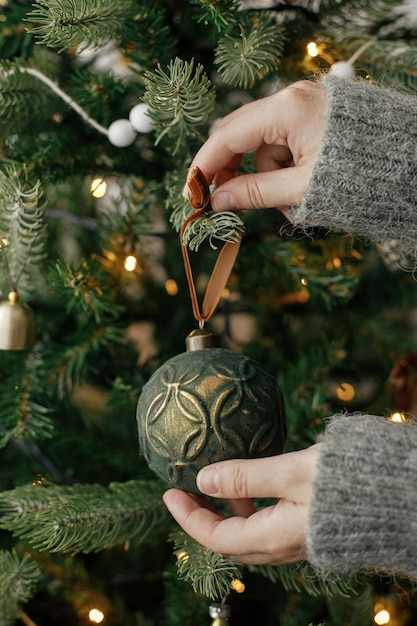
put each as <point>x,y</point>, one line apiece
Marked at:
<point>205,405</point>
<point>208,404</point>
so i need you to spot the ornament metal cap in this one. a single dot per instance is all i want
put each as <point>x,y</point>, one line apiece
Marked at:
<point>17,324</point>
<point>200,339</point>
<point>220,610</point>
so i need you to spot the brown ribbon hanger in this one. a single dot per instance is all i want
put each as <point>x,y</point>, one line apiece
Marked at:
<point>200,201</point>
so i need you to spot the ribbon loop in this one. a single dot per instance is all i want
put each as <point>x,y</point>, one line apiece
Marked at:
<point>200,201</point>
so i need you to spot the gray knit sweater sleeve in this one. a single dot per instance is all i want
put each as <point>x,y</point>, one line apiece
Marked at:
<point>365,179</point>
<point>364,510</point>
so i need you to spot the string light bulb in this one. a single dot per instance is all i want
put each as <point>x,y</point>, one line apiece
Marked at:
<point>130,263</point>
<point>171,287</point>
<point>98,187</point>
<point>238,585</point>
<point>96,616</point>
<point>313,49</point>
<point>382,617</point>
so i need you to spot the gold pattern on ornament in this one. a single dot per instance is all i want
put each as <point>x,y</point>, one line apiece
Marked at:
<point>206,403</point>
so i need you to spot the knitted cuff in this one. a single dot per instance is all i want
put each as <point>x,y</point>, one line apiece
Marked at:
<point>364,509</point>
<point>365,179</point>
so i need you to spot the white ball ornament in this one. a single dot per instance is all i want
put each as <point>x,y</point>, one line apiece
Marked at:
<point>342,69</point>
<point>139,118</point>
<point>121,133</point>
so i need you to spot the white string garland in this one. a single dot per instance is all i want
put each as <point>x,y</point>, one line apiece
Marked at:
<point>121,133</point>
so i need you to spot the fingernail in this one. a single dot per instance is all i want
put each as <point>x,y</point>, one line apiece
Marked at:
<point>208,480</point>
<point>223,201</point>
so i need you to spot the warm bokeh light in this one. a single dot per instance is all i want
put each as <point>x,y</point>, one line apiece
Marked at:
<point>382,617</point>
<point>312,49</point>
<point>304,281</point>
<point>303,296</point>
<point>98,188</point>
<point>171,287</point>
<point>238,585</point>
<point>346,392</point>
<point>96,616</point>
<point>398,418</point>
<point>130,263</point>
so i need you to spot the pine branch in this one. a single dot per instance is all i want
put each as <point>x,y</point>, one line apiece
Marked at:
<point>24,414</point>
<point>82,291</point>
<point>181,101</point>
<point>220,14</point>
<point>84,23</point>
<point>209,573</point>
<point>328,283</point>
<point>19,92</point>
<point>83,518</point>
<point>299,576</point>
<point>390,62</point>
<point>129,216</point>
<point>18,579</point>
<point>250,51</point>
<point>22,223</point>
<point>81,357</point>
<point>147,38</point>
<point>355,15</point>
<point>225,226</point>
<point>180,208</point>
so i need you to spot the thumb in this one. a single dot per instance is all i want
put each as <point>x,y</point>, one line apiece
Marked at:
<point>287,476</point>
<point>241,478</point>
<point>278,188</point>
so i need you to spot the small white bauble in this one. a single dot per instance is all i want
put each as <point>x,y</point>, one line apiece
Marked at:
<point>342,69</point>
<point>140,119</point>
<point>121,133</point>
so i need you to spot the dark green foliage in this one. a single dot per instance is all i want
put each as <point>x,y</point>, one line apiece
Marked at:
<point>250,51</point>
<point>322,309</point>
<point>208,572</point>
<point>62,24</point>
<point>181,100</point>
<point>18,578</point>
<point>83,518</point>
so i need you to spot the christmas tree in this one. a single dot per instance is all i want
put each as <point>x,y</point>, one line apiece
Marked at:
<point>102,106</point>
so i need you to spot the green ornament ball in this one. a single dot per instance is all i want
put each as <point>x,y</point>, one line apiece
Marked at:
<point>207,405</point>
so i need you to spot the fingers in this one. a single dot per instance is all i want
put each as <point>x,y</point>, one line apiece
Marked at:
<point>285,129</point>
<point>242,507</point>
<point>274,535</point>
<point>271,189</point>
<point>244,130</point>
<point>287,476</point>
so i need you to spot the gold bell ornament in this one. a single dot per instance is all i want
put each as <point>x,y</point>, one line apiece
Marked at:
<point>17,324</point>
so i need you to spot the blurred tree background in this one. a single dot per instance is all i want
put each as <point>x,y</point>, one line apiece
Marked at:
<point>103,104</point>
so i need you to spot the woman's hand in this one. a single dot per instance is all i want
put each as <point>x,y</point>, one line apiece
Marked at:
<point>275,534</point>
<point>285,129</point>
